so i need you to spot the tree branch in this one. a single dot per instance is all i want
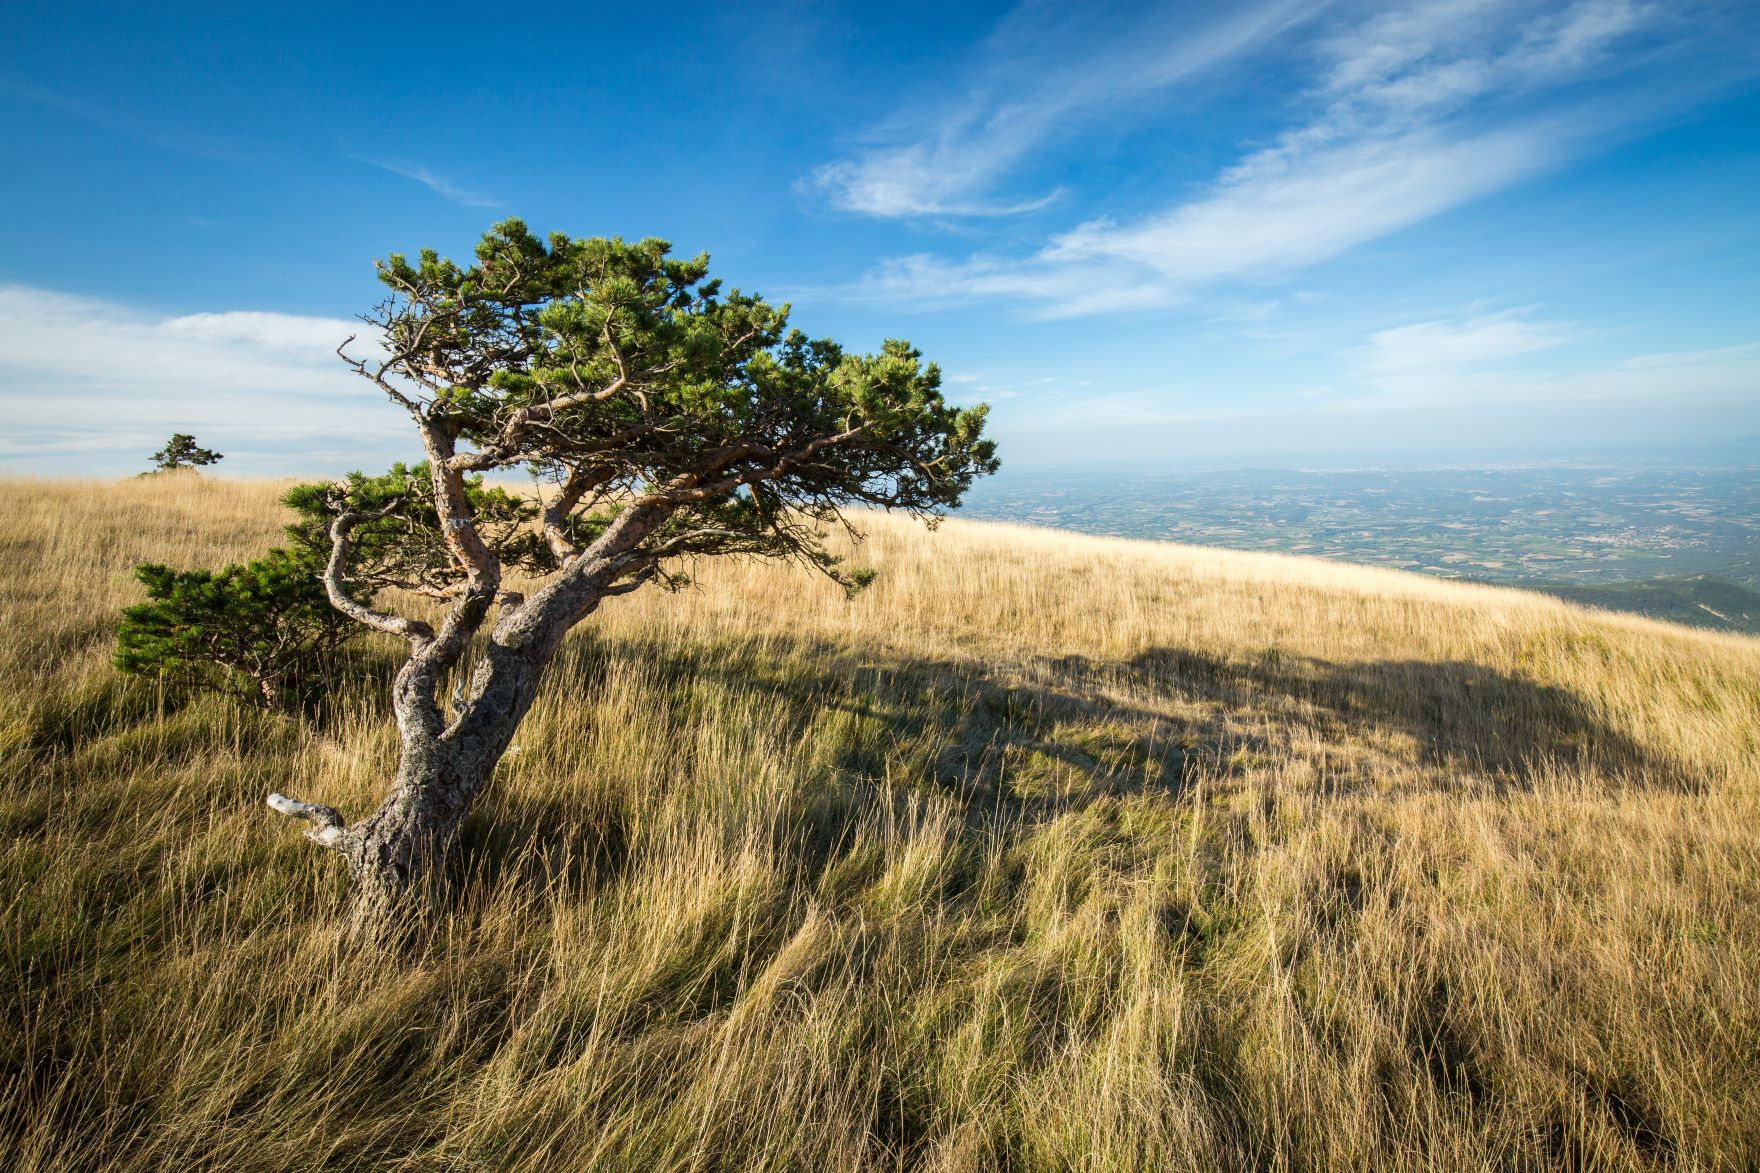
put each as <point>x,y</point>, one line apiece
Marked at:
<point>579,482</point>
<point>505,445</point>
<point>636,581</point>
<point>462,622</point>
<point>359,366</point>
<point>779,467</point>
<point>482,569</point>
<point>335,571</point>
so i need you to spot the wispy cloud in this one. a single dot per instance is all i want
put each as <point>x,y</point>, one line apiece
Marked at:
<point>439,185</point>
<point>1411,359</point>
<point>1746,353</point>
<point>1394,144</point>
<point>142,126</point>
<point>1035,79</point>
<point>1415,110</point>
<point>85,382</point>
<point>1486,360</point>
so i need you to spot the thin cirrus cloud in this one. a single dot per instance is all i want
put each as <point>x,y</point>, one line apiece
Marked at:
<point>95,385</point>
<point>439,185</point>
<point>1413,371</point>
<point>1415,110</point>
<point>945,162</point>
<point>1478,361</point>
<point>1687,382</point>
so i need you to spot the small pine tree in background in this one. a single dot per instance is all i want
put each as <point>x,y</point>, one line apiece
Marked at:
<point>181,451</point>
<point>263,632</point>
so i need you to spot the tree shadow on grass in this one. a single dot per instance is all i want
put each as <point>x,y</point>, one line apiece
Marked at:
<point>1011,735</point>
<point>1461,716</point>
<point>1023,744</point>
<point>1016,745</point>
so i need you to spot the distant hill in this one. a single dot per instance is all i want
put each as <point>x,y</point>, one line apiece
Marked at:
<point>1700,600</point>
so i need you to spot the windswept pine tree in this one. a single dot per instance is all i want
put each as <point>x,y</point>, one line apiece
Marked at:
<point>672,420</point>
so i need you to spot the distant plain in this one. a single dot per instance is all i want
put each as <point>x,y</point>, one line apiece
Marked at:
<point>1677,541</point>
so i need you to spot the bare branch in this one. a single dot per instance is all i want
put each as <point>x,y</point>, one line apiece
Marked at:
<point>328,829</point>
<point>506,444</point>
<point>781,465</point>
<point>462,622</point>
<point>482,569</point>
<point>359,366</point>
<point>636,581</point>
<point>671,545</point>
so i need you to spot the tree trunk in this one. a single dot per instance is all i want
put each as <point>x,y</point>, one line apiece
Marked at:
<point>397,856</point>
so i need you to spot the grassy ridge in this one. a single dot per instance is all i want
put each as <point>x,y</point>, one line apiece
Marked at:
<point>1048,852</point>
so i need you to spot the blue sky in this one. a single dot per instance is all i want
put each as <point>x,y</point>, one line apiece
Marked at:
<point>1176,233</point>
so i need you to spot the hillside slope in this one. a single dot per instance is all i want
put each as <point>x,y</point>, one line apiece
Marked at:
<point>1047,852</point>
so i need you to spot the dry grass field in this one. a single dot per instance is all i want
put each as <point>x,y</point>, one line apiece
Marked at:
<point>1047,852</point>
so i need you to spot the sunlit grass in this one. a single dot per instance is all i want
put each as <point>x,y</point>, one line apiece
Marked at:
<point>1047,852</point>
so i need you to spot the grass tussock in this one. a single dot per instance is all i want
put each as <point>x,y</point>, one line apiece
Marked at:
<point>1047,852</point>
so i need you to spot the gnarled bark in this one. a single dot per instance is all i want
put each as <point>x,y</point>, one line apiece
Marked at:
<point>397,855</point>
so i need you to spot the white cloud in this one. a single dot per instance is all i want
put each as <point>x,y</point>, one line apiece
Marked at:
<point>1416,110</point>
<point>1745,353</point>
<point>917,180</point>
<point>301,338</point>
<point>1464,370</point>
<point>1283,210</point>
<point>1497,371</point>
<point>85,383</point>
<point>928,281</point>
<point>1480,361</point>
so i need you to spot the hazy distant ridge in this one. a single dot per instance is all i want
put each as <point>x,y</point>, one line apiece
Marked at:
<point>1701,600</point>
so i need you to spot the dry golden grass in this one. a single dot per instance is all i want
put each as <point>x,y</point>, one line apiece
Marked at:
<point>1047,852</point>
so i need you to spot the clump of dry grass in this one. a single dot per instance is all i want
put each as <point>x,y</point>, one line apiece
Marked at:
<point>1047,852</point>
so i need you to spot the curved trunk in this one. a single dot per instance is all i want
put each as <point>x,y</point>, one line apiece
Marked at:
<point>397,856</point>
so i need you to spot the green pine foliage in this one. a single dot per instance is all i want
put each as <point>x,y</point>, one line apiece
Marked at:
<point>263,632</point>
<point>617,366</point>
